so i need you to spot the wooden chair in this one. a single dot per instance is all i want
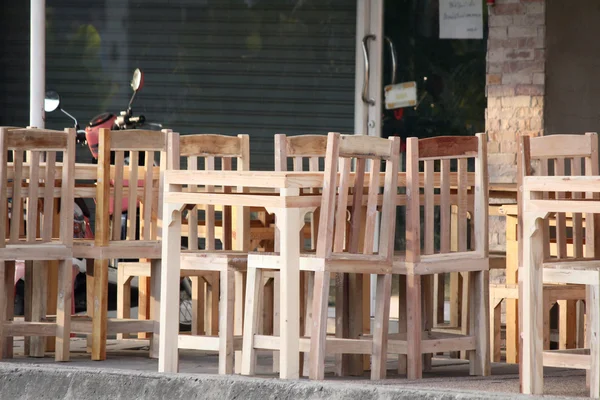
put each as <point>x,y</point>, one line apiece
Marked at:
<point>30,184</point>
<point>306,153</point>
<point>338,250</point>
<point>114,188</point>
<point>206,151</point>
<point>422,259</point>
<point>567,185</point>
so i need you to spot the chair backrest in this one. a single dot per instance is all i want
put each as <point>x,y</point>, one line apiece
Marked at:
<point>299,148</point>
<point>28,181</point>
<point>334,235</point>
<point>143,147</point>
<point>438,179</point>
<point>563,155</point>
<point>205,152</point>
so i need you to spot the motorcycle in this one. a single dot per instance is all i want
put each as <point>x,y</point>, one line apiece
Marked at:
<point>82,228</point>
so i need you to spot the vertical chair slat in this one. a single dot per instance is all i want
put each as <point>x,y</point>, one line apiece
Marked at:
<point>297,163</point>
<point>481,198</point>
<point>462,204</point>
<point>371,221</point>
<point>326,222</point>
<point>210,209</point>
<point>544,163</point>
<point>445,206</point>
<point>4,221</point>
<point>192,165</point>
<point>561,218</point>
<point>226,165</point>
<point>429,207</point>
<point>68,191</point>
<point>313,164</point>
<point>118,194</point>
<point>592,168</point>
<point>49,195</point>
<point>148,201</point>
<point>356,217</point>
<point>132,199</point>
<point>413,220</point>
<point>17,211</point>
<point>32,198</point>
<point>340,218</point>
<point>577,221</point>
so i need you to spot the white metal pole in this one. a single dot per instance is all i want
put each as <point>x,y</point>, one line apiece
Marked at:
<point>37,69</point>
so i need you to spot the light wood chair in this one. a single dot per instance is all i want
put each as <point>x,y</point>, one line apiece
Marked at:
<point>303,153</point>
<point>422,259</point>
<point>205,152</point>
<point>114,188</point>
<point>338,250</point>
<point>30,184</point>
<point>566,186</point>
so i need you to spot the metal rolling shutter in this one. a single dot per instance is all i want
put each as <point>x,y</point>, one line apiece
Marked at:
<point>212,66</point>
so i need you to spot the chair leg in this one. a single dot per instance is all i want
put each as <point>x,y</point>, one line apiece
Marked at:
<point>252,308</point>
<point>155,298</point>
<point>532,306</point>
<point>63,310</point>
<point>402,321</point>
<point>276,319</point>
<point>319,326</point>
<point>198,304</point>
<point>213,305</point>
<point>226,322</point>
<point>123,298</point>
<point>480,322</point>
<point>381,328</point>
<point>464,313</point>
<point>413,336</point>
<point>238,314</point>
<point>594,329</point>
<point>144,301</point>
<point>38,304</point>
<point>310,284</point>
<point>428,315</point>
<point>495,327</point>
<point>89,296</point>
<point>7,290</point>
<point>99,320</point>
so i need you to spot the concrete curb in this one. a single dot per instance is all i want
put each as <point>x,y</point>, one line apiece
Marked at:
<point>26,381</point>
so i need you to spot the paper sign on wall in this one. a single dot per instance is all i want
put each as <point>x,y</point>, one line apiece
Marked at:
<point>461,19</point>
<point>400,95</point>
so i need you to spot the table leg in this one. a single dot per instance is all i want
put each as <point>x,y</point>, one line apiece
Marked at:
<point>289,221</point>
<point>168,357</point>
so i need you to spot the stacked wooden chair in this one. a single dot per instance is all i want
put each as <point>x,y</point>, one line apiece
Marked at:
<point>37,182</point>
<point>338,250</point>
<point>205,152</point>
<point>566,185</point>
<point>421,259</point>
<point>131,183</point>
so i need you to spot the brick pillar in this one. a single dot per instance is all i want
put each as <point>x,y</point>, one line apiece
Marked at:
<point>515,87</point>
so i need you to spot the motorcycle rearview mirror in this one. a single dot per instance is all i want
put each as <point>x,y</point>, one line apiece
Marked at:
<point>136,84</point>
<point>51,101</point>
<point>138,80</point>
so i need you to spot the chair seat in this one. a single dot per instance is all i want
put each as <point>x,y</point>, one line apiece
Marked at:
<point>576,264</point>
<point>340,262</point>
<point>213,260</point>
<point>86,248</point>
<point>35,252</point>
<point>441,263</point>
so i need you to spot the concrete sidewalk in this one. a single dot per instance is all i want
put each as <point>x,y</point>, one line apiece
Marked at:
<point>128,373</point>
<point>27,381</point>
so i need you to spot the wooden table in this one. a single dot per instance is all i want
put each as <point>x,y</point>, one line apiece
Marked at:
<point>289,207</point>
